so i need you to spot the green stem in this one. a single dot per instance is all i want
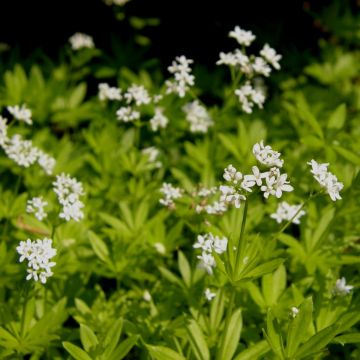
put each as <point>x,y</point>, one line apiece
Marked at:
<point>241,242</point>
<point>22,325</point>
<point>227,320</point>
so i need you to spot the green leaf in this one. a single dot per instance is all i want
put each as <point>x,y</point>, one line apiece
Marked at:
<point>317,342</point>
<point>197,341</point>
<point>123,349</point>
<point>352,338</point>
<point>163,353</point>
<point>99,247</point>
<point>273,336</point>
<point>75,351</point>
<point>113,336</point>
<point>230,337</point>
<point>263,269</point>
<point>322,226</point>
<point>87,337</point>
<point>298,327</point>
<point>347,154</point>
<point>273,285</point>
<point>337,118</point>
<point>184,267</point>
<point>217,311</point>
<point>254,352</point>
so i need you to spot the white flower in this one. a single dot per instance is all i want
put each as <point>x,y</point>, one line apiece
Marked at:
<point>341,288</point>
<point>241,36</point>
<point>127,114</point>
<point>205,192</point>
<point>38,254</point>
<point>217,208</point>
<point>68,191</point>
<point>21,151</point>
<point>326,179</point>
<point>170,193</point>
<point>270,55</point>
<point>107,92</point>
<point>21,113</point>
<point>229,195</point>
<point>207,262</point>
<point>209,295</point>
<point>228,59</point>
<point>138,94</point>
<point>47,162</point>
<point>159,120</point>
<point>232,175</point>
<point>286,212</point>
<point>266,155</point>
<point>275,184</point>
<point>183,79</point>
<point>248,96</point>
<point>294,312</point>
<point>79,41</point>
<point>198,117</point>
<point>261,67</point>
<point>36,205</point>
<point>3,131</point>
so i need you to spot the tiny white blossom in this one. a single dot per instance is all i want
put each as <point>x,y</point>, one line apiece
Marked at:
<point>170,193</point>
<point>147,296</point>
<point>152,152</point>
<point>38,254</point>
<point>232,175</point>
<point>229,195</point>
<point>127,114</point>
<point>79,41</point>
<point>341,288</point>
<point>294,312</point>
<point>286,212</point>
<point>266,155</point>
<point>198,117</point>
<point>137,94</point>
<point>183,79</point>
<point>209,295</point>
<point>275,184</point>
<point>217,208</point>
<point>36,205</point>
<point>207,262</point>
<point>107,92</point>
<point>159,120</point>
<point>270,55</point>
<point>243,37</point>
<point>21,113</point>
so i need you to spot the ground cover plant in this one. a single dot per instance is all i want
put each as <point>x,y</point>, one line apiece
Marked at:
<point>163,215</point>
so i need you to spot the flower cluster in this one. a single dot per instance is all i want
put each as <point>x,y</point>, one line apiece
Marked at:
<point>250,66</point>
<point>159,120</point>
<point>21,113</point>
<point>326,179</point>
<point>170,194</point>
<point>183,79</point>
<point>36,205</point>
<point>80,41</point>
<point>107,92</point>
<point>127,114</point>
<point>198,117</point>
<point>38,254</point>
<point>287,212</point>
<point>209,243</point>
<point>25,154</point>
<point>68,191</point>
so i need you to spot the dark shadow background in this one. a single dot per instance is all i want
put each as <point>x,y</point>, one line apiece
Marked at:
<point>196,28</point>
